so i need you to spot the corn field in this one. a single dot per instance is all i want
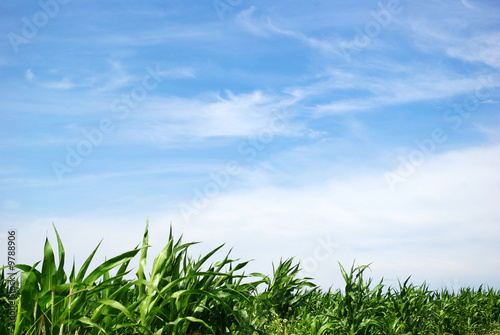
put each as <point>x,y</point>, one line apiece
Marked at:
<point>184,295</point>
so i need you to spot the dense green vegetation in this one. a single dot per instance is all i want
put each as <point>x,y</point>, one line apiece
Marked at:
<point>183,295</point>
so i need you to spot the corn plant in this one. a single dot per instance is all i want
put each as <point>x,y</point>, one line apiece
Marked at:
<point>409,309</point>
<point>359,310</point>
<point>49,303</point>
<point>283,291</point>
<point>181,297</point>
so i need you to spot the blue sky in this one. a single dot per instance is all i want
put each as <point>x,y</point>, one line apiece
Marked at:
<point>320,130</point>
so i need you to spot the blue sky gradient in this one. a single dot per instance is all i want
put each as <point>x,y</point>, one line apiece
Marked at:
<point>327,131</point>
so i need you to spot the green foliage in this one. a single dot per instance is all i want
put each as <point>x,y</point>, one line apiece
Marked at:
<point>190,296</point>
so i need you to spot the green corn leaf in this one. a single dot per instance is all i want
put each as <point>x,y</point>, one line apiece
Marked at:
<point>48,268</point>
<point>110,264</point>
<point>86,264</point>
<point>115,304</point>
<point>191,319</point>
<point>72,275</point>
<point>91,323</point>
<point>61,275</point>
<point>142,260</point>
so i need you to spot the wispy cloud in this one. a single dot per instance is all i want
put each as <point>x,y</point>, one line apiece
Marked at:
<point>472,47</point>
<point>64,84</point>
<point>483,49</point>
<point>117,78</point>
<point>29,74</point>
<point>266,27</point>
<point>178,73</point>
<point>174,121</point>
<point>393,89</point>
<point>479,47</point>
<point>246,19</point>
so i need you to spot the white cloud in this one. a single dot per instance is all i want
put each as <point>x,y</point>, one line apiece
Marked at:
<point>437,225</point>
<point>331,47</point>
<point>29,74</point>
<point>184,121</point>
<point>181,72</point>
<point>429,36</point>
<point>483,48</point>
<point>265,26</point>
<point>412,86</point>
<point>117,78</point>
<point>246,19</point>
<point>64,84</point>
